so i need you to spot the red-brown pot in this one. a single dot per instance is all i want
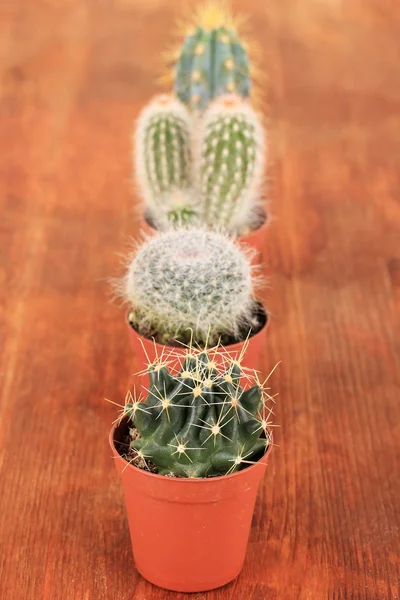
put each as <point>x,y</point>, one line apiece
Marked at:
<point>253,240</point>
<point>147,351</point>
<point>188,535</point>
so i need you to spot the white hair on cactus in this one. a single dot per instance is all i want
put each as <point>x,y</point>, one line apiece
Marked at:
<point>190,279</point>
<point>163,154</point>
<point>231,142</point>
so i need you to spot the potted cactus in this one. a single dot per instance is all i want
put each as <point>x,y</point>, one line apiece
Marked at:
<point>199,155</point>
<point>190,457</point>
<point>192,287</point>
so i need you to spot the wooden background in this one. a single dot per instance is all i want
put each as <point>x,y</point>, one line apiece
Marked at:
<point>74,74</point>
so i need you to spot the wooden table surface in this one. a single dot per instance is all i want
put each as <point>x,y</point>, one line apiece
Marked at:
<point>74,74</point>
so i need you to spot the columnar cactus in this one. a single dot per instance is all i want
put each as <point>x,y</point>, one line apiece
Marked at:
<point>191,283</point>
<point>231,156</point>
<point>163,159</point>
<point>199,422</point>
<point>212,62</point>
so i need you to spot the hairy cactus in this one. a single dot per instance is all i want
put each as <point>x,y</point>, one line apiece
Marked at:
<point>212,62</point>
<point>163,160</point>
<point>199,422</point>
<point>231,156</point>
<point>191,284</point>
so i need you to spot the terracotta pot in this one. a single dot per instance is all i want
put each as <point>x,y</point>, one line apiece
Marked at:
<point>147,351</point>
<point>253,240</point>
<point>188,535</point>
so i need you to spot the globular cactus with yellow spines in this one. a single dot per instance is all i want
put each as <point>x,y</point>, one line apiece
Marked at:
<point>191,284</point>
<point>163,160</point>
<point>231,155</point>
<point>199,421</point>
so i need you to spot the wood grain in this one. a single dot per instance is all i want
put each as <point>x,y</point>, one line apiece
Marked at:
<point>74,74</point>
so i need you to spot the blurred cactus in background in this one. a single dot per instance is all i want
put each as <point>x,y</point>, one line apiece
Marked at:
<point>163,160</point>
<point>231,161</point>
<point>212,62</point>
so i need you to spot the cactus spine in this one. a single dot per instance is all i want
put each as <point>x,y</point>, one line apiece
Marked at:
<point>200,422</point>
<point>188,283</point>
<point>163,159</point>
<point>212,62</point>
<point>231,157</point>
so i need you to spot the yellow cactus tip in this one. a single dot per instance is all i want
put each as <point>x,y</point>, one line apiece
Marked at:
<point>229,64</point>
<point>231,86</point>
<point>213,15</point>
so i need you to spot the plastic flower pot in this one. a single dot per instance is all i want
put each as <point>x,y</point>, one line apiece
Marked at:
<point>146,351</point>
<point>253,240</point>
<point>188,535</point>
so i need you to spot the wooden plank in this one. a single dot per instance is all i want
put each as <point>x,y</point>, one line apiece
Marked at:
<point>73,78</point>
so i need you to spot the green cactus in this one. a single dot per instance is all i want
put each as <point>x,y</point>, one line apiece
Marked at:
<point>231,157</point>
<point>212,62</point>
<point>200,422</point>
<point>163,160</point>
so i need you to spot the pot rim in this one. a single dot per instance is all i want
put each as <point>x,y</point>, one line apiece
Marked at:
<point>264,222</point>
<point>227,347</point>
<point>187,480</point>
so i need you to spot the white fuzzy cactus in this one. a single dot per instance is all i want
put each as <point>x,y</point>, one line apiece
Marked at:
<point>230,155</point>
<point>163,159</point>
<point>188,283</point>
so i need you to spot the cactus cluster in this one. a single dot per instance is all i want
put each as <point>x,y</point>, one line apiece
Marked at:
<point>200,421</point>
<point>191,284</point>
<point>199,154</point>
<point>208,170</point>
<point>212,62</point>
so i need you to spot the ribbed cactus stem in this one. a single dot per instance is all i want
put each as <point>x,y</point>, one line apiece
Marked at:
<point>231,154</point>
<point>190,282</point>
<point>213,62</point>
<point>163,157</point>
<point>200,422</point>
